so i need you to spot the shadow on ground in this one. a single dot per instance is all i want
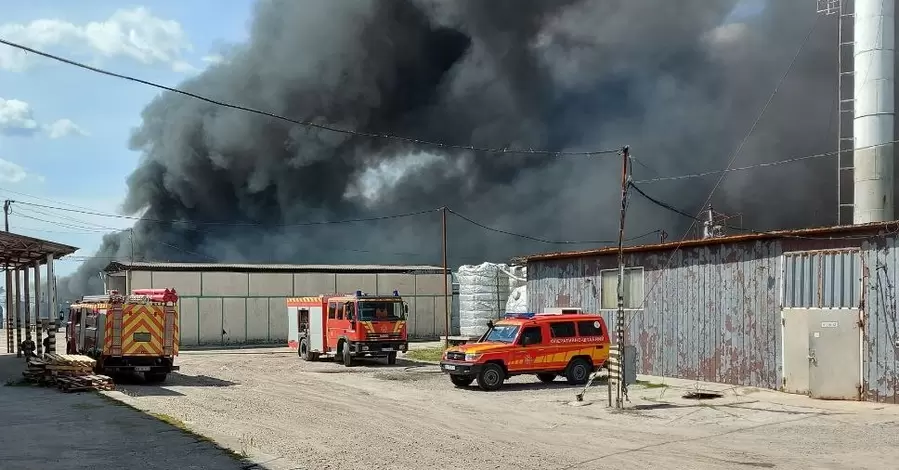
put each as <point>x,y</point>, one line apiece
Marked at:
<point>81,426</point>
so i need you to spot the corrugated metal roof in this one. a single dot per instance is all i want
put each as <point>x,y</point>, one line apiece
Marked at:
<point>818,233</point>
<point>19,250</point>
<point>119,266</point>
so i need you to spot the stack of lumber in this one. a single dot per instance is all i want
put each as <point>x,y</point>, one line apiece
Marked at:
<point>67,372</point>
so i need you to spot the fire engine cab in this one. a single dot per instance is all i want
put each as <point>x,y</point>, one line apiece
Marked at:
<point>348,326</point>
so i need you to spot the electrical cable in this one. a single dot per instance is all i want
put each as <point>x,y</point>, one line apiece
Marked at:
<point>235,224</point>
<point>737,152</point>
<point>774,233</point>
<point>325,127</point>
<point>543,240</point>
<point>758,165</point>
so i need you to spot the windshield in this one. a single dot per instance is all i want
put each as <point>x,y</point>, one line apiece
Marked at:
<point>502,334</point>
<point>384,310</point>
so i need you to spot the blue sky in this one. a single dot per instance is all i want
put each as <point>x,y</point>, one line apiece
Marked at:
<point>64,131</point>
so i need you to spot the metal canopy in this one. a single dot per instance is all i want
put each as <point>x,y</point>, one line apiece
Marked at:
<point>18,251</point>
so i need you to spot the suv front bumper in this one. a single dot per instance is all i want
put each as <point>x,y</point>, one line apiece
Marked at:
<point>459,368</point>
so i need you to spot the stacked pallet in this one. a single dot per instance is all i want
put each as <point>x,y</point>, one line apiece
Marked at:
<point>67,372</point>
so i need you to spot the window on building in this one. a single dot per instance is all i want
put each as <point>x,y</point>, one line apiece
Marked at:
<point>633,289</point>
<point>332,310</point>
<point>564,329</point>
<point>589,328</point>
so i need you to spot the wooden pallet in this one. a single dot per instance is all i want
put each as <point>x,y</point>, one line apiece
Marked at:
<point>85,383</point>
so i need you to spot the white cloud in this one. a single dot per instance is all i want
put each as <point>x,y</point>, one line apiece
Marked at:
<point>213,59</point>
<point>11,173</point>
<point>64,128</point>
<point>134,33</point>
<point>16,118</point>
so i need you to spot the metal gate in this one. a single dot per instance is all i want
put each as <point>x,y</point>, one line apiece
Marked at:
<point>821,302</point>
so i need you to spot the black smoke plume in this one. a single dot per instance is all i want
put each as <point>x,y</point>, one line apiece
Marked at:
<point>680,82</point>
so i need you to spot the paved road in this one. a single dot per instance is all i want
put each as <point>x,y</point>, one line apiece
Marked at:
<point>44,429</point>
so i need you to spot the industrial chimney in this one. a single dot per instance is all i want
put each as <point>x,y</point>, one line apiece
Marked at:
<point>874,110</point>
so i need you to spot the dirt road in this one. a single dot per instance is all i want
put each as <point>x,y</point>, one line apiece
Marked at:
<point>324,416</point>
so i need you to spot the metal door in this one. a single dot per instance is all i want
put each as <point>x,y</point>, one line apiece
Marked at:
<point>316,333</point>
<point>834,355</point>
<point>795,350</point>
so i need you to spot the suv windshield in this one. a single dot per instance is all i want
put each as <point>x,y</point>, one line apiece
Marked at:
<point>384,310</point>
<point>502,334</point>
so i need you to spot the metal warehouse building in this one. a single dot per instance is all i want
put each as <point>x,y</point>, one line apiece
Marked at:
<point>808,311</point>
<point>247,303</point>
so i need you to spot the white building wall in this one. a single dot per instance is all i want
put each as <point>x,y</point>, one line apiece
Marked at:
<point>250,308</point>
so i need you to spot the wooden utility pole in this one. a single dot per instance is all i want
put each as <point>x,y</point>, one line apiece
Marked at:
<point>446,299</point>
<point>621,387</point>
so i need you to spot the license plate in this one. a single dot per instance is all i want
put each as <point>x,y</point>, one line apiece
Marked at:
<point>387,349</point>
<point>142,369</point>
<point>449,367</point>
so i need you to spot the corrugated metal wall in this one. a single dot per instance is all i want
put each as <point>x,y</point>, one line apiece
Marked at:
<point>712,315</point>
<point>713,312</point>
<point>251,308</point>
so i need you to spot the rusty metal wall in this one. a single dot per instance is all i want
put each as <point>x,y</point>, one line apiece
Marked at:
<point>713,312</point>
<point>881,270</point>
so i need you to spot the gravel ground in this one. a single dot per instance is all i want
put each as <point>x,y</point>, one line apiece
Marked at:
<point>289,414</point>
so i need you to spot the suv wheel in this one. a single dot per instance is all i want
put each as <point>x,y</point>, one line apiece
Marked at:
<point>578,371</point>
<point>461,380</point>
<point>304,349</point>
<point>547,378</point>
<point>491,377</point>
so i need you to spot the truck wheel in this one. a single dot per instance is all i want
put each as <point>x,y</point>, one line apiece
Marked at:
<point>154,377</point>
<point>391,358</point>
<point>461,381</point>
<point>347,358</point>
<point>491,377</point>
<point>547,378</point>
<point>578,371</point>
<point>303,350</point>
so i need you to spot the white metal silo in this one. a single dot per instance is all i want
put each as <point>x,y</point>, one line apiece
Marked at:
<point>874,110</point>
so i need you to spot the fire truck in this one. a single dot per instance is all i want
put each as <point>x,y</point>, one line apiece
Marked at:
<point>134,333</point>
<point>348,326</point>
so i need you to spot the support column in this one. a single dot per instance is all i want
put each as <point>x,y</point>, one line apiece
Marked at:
<point>17,274</point>
<point>10,341</point>
<point>27,300</point>
<point>52,304</point>
<point>38,324</point>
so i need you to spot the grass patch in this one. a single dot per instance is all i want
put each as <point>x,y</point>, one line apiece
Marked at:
<point>426,354</point>
<point>647,384</point>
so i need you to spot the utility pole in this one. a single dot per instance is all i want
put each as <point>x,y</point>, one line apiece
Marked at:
<point>6,205</point>
<point>621,387</point>
<point>447,306</point>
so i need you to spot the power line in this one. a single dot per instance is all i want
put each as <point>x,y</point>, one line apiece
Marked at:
<point>736,153</point>
<point>752,167</point>
<point>234,224</point>
<point>543,240</point>
<point>304,123</point>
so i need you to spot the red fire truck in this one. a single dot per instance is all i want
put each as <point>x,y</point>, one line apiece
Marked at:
<point>348,326</point>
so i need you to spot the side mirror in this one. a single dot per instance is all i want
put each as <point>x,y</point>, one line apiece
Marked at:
<point>489,323</point>
<point>405,308</point>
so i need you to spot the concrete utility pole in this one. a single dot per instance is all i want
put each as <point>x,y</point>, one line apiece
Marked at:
<point>446,300</point>
<point>621,387</point>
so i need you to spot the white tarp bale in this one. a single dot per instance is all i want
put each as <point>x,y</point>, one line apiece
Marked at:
<point>483,291</point>
<point>518,300</point>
